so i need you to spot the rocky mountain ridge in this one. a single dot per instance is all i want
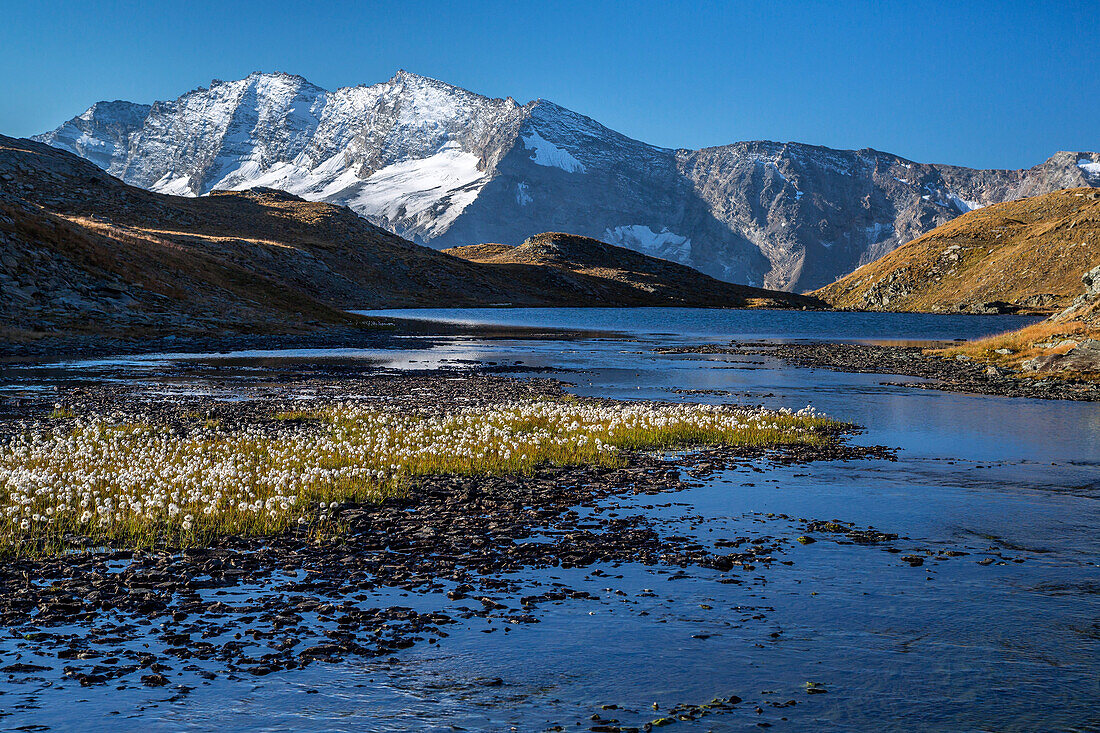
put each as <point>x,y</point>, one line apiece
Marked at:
<point>447,167</point>
<point>81,251</point>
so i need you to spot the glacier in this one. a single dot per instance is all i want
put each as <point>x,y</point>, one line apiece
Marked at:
<point>433,191</point>
<point>1090,167</point>
<point>550,155</point>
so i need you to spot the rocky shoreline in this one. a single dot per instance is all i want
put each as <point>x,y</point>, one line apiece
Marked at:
<point>452,552</point>
<point>251,606</point>
<point>944,374</point>
<point>382,333</point>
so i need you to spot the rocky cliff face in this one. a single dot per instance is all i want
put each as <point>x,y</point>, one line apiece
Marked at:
<point>447,167</point>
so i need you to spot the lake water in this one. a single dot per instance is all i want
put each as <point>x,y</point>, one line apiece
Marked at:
<point>952,645</point>
<point>716,323</point>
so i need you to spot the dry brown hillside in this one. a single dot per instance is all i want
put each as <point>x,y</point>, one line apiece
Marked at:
<point>630,277</point>
<point>1027,255</point>
<point>81,251</point>
<point>1067,343</point>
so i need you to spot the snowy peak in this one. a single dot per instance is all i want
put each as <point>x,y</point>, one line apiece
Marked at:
<point>287,107</point>
<point>126,113</point>
<point>416,116</point>
<point>583,136</point>
<point>407,153</point>
<point>445,166</point>
<point>101,133</point>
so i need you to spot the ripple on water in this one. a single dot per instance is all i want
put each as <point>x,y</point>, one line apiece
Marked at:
<point>951,644</point>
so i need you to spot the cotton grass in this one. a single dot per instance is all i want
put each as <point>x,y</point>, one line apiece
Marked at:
<point>95,482</point>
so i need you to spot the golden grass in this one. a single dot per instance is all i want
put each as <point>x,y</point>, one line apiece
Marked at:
<point>1004,252</point>
<point>153,234</point>
<point>136,485</point>
<point>1022,344</point>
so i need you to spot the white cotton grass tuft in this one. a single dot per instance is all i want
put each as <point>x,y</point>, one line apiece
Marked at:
<point>140,485</point>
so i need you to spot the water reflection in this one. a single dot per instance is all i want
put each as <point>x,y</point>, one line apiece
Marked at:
<point>951,645</point>
<point>719,324</point>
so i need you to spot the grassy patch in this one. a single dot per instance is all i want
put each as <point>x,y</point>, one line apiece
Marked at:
<point>1046,337</point>
<point>298,415</point>
<point>142,486</point>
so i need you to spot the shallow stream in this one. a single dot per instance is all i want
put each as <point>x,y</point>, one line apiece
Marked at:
<point>955,644</point>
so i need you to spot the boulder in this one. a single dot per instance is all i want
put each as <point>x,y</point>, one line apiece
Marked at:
<point>1084,357</point>
<point>1092,281</point>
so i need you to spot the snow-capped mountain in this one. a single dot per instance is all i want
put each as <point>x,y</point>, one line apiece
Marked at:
<point>445,167</point>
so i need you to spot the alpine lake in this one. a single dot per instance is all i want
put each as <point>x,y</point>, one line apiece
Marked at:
<point>942,573</point>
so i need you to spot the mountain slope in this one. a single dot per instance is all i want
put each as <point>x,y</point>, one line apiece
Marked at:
<point>65,268</point>
<point>447,167</point>
<point>82,251</point>
<point>1029,254</point>
<point>635,279</point>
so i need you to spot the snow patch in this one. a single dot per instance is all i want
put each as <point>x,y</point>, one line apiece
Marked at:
<point>431,191</point>
<point>964,206</point>
<point>249,172</point>
<point>522,196</point>
<point>425,193</point>
<point>550,155</point>
<point>86,141</point>
<point>642,238</point>
<point>173,185</point>
<point>1091,169</point>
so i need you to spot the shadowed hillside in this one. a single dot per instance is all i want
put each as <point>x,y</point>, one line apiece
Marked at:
<point>81,251</point>
<point>624,275</point>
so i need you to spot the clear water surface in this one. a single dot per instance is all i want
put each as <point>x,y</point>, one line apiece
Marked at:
<point>952,645</point>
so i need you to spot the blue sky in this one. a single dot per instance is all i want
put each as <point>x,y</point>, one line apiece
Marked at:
<point>989,84</point>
